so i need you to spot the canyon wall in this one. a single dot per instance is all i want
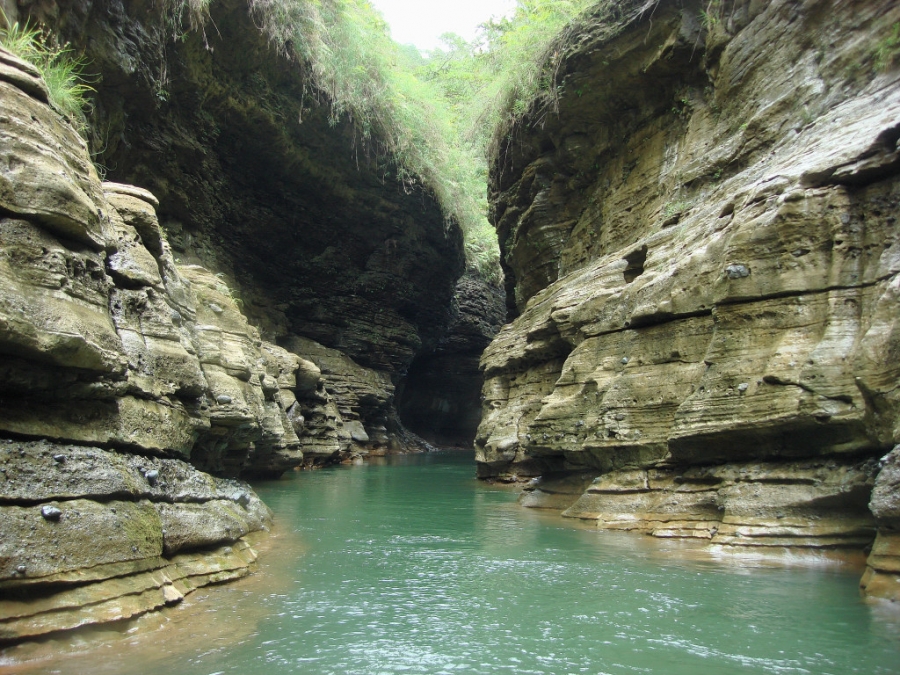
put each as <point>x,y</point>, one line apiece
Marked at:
<point>119,367</point>
<point>230,285</point>
<point>700,236</point>
<point>307,222</point>
<point>440,398</point>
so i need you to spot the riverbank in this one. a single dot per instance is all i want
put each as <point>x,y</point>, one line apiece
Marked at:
<point>408,564</point>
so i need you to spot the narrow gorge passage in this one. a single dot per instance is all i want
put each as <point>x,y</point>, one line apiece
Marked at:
<point>268,277</point>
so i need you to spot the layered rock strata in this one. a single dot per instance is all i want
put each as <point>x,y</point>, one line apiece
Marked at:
<point>117,364</point>
<point>92,535</point>
<point>105,340</point>
<point>882,577</point>
<point>702,252</point>
<point>362,404</point>
<point>310,225</point>
<point>132,322</point>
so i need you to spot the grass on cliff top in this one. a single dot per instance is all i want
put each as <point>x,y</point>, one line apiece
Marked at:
<point>347,49</point>
<point>514,60</point>
<point>61,69</point>
<point>435,113</point>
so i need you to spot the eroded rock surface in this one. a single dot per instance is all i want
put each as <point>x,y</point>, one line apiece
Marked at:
<point>702,251</point>
<point>141,329</point>
<point>308,223</point>
<point>117,364</point>
<point>108,341</point>
<point>93,533</point>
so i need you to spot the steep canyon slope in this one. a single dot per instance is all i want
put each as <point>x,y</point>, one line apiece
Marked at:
<point>700,236</point>
<point>118,365</point>
<point>251,306</point>
<point>315,231</point>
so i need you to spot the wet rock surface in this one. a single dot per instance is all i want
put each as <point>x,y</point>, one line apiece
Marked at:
<point>93,533</point>
<point>702,261</point>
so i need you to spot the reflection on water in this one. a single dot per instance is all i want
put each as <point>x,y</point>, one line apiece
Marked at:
<point>412,566</point>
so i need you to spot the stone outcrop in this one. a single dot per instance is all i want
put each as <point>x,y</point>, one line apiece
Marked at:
<point>309,225</point>
<point>92,535</point>
<point>701,247</point>
<point>360,399</point>
<point>882,577</point>
<point>105,340</point>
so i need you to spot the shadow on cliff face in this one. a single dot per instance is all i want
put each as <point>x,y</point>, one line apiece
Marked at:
<point>306,222</point>
<point>303,217</point>
<point>440,397</point>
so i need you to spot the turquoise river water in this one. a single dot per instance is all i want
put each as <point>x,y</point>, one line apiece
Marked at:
<point>412,566</point>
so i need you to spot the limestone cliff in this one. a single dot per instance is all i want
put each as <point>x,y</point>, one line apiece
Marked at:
<point>882,577</point>
<point>253,309</point>
<point>117,365</point>
<point>307,224</point>
<point>701,241</point>
<point>440,398</point>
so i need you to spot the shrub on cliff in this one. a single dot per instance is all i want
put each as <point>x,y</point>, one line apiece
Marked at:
<point>496,76</point>
<point>345,48</point>
<point>434,116</point>
<point>61,69</point>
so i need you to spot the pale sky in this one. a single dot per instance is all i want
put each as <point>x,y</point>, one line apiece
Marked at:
<point>421,22</point>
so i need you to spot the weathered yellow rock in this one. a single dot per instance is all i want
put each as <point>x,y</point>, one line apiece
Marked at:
<point>23,75</point>
<point>153,357</point>
<point>53,302</point>
<point>46,173</point>
<point>124,596</point>
<point>812,503</point>
<point>882,577</point>
<point>705,262</point>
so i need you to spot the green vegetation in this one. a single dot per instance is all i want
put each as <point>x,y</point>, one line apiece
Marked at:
<point>711,16</point>
<point>675,208</point>
<point>887,50</point>
<point>434,114</point>
<point>61,68</point>
<point>346,49</point>
<point>491,82</point>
